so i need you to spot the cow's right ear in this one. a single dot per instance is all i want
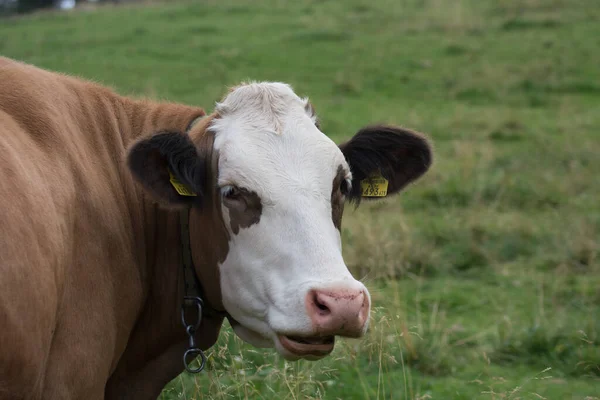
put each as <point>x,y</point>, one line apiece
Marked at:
<point>168,166</point>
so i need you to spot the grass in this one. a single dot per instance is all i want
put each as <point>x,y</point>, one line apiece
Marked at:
<point>485,275</point>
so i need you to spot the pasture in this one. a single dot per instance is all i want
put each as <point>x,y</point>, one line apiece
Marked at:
<point>485,274</point>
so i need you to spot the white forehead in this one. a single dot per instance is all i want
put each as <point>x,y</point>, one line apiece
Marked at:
<point>267,139</point>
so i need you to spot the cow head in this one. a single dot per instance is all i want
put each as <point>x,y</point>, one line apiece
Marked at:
<point>265,224</point>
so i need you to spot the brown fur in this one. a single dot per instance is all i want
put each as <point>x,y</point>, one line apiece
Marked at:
<point>90,283</point>
<point>213,248</point>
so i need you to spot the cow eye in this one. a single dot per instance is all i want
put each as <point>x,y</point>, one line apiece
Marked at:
<point>346,187</point>
<point>230,192</point>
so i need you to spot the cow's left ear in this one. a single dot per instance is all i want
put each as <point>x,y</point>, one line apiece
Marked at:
<point>169,167</point>
<point>399,155</point>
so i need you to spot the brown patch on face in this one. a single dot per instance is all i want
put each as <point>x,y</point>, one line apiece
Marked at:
<point>245,210</point>
<point>337,198</point>
<point>208,235</point>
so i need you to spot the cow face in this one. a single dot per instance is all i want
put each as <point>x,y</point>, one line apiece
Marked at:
<point>272,186</point>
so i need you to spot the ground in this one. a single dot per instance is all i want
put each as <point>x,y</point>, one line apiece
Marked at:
<point>485,274</point>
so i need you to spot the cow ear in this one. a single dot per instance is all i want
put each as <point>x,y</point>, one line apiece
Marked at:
<point>168,166</point>
<point>399,155</point>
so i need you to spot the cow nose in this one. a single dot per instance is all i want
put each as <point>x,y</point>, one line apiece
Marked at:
<point>341,312</point>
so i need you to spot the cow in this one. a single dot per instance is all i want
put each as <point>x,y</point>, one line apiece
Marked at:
<point>121,217</point>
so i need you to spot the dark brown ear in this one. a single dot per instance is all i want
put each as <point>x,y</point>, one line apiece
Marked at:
<point>151,159</point>
<point>399,155</point>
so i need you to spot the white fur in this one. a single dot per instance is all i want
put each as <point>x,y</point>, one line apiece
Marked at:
<point>268,143</point>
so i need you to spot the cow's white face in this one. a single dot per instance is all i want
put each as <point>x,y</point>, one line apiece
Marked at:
<point>276,172</point>
<point>280,189</point>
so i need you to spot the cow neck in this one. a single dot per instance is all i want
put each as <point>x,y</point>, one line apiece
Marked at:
<point>193,302</point>
<point>209,240</point>
<point>192,284</point>
<point>156,343</point>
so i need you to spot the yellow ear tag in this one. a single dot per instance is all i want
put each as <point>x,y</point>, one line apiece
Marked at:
<point>375,186</point>
<point>181,188</point>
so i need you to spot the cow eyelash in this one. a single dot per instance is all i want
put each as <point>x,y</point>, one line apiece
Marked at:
<point>230,192</point>
<point>346,187</point>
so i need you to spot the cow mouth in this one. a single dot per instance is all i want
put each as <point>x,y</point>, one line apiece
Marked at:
<point>308,345</point>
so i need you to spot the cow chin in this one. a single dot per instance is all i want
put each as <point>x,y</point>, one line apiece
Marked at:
<point>252,337</point>
<point>288,348</point>
<point>292,350</point>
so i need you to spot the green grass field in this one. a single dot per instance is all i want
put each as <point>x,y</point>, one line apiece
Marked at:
<point>485,275</point>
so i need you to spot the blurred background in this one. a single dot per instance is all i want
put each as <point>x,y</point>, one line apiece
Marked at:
<point>24,6</point>
<point>485,274</point>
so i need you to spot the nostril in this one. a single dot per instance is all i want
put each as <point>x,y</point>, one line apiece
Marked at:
<point>323,309</point>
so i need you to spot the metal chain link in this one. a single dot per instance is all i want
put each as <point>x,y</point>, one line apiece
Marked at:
<point>193,351</point>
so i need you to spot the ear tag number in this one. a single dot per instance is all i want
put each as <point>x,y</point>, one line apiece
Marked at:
<point>375,186</point>
<point>181,188</point>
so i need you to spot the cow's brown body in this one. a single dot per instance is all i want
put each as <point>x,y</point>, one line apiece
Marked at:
<point>89,286</point>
